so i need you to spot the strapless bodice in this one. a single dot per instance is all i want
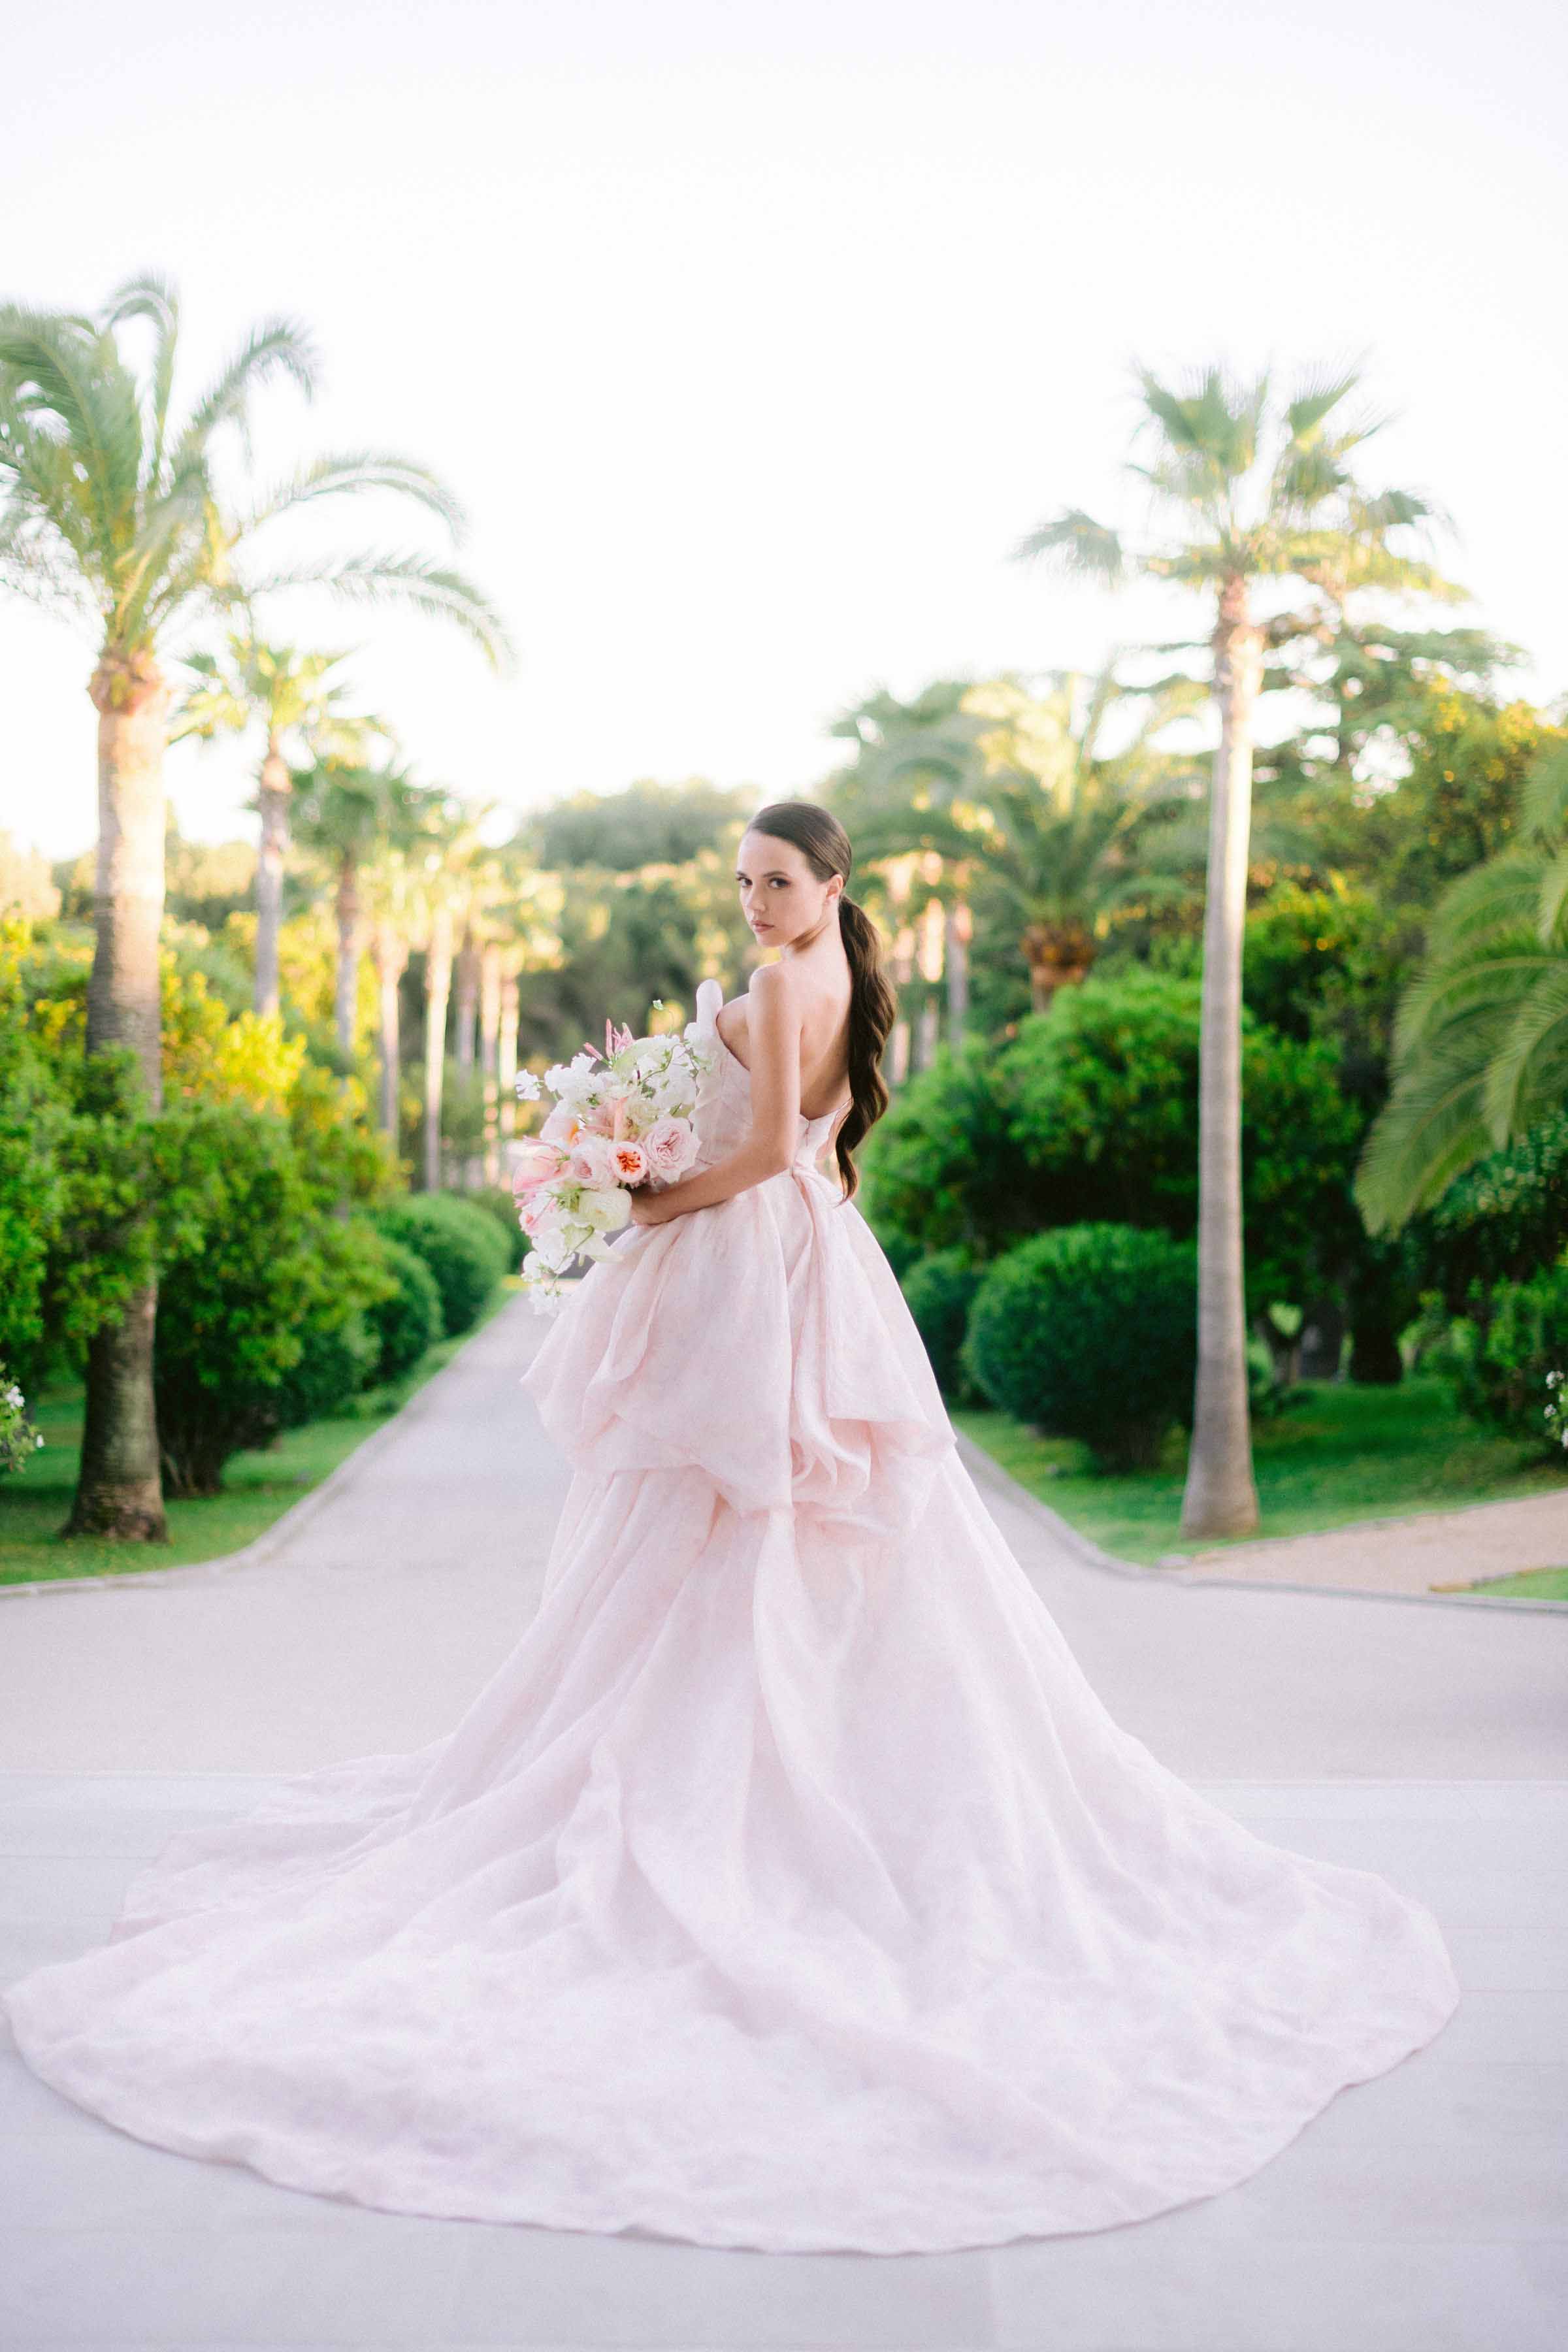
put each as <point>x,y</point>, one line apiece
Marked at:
<point>723,1114</point>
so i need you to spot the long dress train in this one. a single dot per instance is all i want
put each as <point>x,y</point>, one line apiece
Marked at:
<point>787,1887</point>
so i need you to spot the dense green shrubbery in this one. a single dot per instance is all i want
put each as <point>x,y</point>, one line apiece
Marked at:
<point>336,1361</point>
<point>1499,1356</point>
<point>503,1207</point>
<point>409,1320</point>
<point>464,1248</point>
<point>939,1291</point>
<point>251,1295</point>
<point>1090,1331</point>
<point>1091,1112</point>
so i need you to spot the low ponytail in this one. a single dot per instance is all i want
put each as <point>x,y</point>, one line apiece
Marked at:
<point>873,1004</point>
<point>873,1009</point>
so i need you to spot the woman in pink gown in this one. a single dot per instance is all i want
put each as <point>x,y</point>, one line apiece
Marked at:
<point>787,1887</point>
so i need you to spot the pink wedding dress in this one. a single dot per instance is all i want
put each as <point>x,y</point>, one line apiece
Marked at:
<point>787,1887</point>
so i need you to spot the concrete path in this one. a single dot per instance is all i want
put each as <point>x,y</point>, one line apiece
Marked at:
<point>1423,2213</point>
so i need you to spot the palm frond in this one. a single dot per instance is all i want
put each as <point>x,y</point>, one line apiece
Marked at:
<point>412,579</point>
<point>1075,542</point>
<point>1543,802</point>
<point>1527,1075</point>
<point>1316,397</point>
<point>345,472</point>
<point>277,347</point>
<point>63,368</point>
<point>1430,1131</point>
<point>152,298</point>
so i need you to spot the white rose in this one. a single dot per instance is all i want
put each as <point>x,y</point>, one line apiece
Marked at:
<point>605,1212</point>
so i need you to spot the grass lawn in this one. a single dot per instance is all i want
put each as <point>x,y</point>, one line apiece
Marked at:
<point>1335,1453</point>
<point>257,1487</point>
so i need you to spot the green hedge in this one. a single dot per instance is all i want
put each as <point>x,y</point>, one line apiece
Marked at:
<point>939,1292</point>
<point>408,1320</point>
<point>503,1207</point>
<point>464,1248</point>
<point>1090,1331</point>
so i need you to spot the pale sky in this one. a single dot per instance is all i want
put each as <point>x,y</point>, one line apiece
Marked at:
<point>753,336</point>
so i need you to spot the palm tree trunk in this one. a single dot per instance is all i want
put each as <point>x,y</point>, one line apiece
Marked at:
<point>1220,1498</point>
<point>467,993</point>
<point>506,1051</point>
<point>276,787</point>
<point>391,955</point>
<point>960,928</point>
<point>437,994</point>
<point>489,1055</point>
<point>346,988</point>
<point>120,1488</point>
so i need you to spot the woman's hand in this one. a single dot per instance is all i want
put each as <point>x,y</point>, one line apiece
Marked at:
<point>647,1207</point>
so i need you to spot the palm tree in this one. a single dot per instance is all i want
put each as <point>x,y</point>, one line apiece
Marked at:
<point>1013,792</point>
<point>1481,1045</point>
<point>448,880</point>
<point>344,812</point>
<point>296,701</point>
<point>114,506</point>
<point>1247,491</point>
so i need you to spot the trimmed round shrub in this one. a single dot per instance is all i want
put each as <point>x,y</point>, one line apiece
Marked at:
<point>501,1206</point>
<point>1090,1331</point>
<point>939,1291</point>
<point>465,1250</point>
<point>1499,1366</point>
<point>334,1363</point>
<point>409,1319</point>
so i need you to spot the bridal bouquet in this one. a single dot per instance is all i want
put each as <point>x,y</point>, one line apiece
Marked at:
<point>621,1118</point>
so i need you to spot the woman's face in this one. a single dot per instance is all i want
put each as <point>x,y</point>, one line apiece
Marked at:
<point>781,897</point>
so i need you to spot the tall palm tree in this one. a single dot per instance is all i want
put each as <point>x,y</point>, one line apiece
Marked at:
<point>448,878</point>
<point>298,704</point>
<point>1244,489</point>
<point>1016,794</point>
<point>345,811</point>
<point>116,506</point>
<point>1481,1045</point>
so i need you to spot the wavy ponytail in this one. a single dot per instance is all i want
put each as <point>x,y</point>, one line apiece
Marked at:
<point>873,1004</point>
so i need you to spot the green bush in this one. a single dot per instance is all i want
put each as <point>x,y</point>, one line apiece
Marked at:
<point>1092,1111</point>
<point>1090,1331</point>
<point>939,1291</point>
<point>1497,1357</point>
<point>409,1320</point>
<point>501,1206</point>
<point>256,1282</point>
<point>465,1250</point>
<point>335,1362</point>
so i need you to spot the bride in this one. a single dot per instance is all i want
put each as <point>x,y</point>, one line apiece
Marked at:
<point>787,1887</point>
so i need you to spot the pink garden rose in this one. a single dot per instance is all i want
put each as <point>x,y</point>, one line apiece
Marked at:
<point>590,1160</point>
<point>629,1160</point>
<point>669,1147</point>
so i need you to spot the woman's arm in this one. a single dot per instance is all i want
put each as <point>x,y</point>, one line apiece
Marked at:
<point>774,1035</point>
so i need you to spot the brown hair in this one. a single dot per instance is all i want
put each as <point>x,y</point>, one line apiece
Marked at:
<point>873,1005</point>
